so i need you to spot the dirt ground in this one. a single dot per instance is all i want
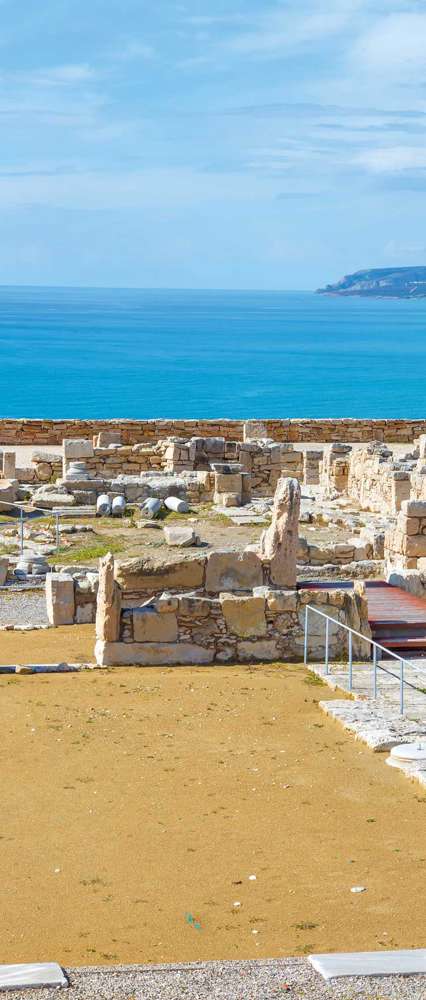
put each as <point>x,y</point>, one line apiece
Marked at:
<point>138,804</point>
<point>69,643</point>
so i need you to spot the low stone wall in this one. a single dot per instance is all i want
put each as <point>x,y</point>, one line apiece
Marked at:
<point>334,469</point>
<point>405,545</point>
<point>231,614</point>
<point>40,432</point>
<point>71,599</point>
<point>378,482</point>
<point>334,553</point>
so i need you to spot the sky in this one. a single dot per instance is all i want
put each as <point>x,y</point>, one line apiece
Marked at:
<point>220,144</point>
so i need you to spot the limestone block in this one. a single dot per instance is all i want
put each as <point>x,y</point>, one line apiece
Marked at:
<point>408,525</point>
<point>105,438</point>
<point>254,430</point>
<point>150,654</point>
<point>144,574</point>
<point>9,464</point>
<point>60,602</point>
<point>51,500</point>
<point>244,616</point>
<point>414,508</point>
<point>77,448</point>
<point>108,605</point>
<point>409,580</point>
<point>227,499</point>
<point>422,446</point>
<point>4,566</point>
<point>228,570</point>
<point>228,482</point>
<point>181,537</point>
<point>85,614</point>
<point>195,607</point>
<point>166,603</point>
<point>281,600</point>
<point>258,651</point>
<point>414,545</point>
<point>279,543</point>
<point>44,472</point>
<point>150,625</point>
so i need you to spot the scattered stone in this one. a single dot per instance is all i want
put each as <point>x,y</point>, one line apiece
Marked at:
<point>182,537</point>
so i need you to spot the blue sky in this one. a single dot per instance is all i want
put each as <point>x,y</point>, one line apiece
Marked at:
<point>228,144</point>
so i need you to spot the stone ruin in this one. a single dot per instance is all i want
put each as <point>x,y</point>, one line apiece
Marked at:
<point>222,607</point>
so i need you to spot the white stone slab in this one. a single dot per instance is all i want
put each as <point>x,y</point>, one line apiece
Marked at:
<point>370,963</point>
<point>14,977</point>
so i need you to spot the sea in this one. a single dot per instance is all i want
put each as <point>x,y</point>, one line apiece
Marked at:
<point>103,353</point>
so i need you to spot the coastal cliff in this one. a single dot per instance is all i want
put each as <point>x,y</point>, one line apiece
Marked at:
<point>381,282</point>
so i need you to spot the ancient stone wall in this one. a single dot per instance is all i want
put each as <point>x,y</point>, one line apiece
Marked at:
<point>405,545</point>
<point>228,614</point>
<point>334,469</point>
<point>377,481</point>
<point>40,432</point>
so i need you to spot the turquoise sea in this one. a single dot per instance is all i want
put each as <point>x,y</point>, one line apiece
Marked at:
<point>68,352</point>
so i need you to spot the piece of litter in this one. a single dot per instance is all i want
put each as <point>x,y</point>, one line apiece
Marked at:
<point>359,888</point>
<point>236,904</point>
<point>255,932</point>
<point>57,870</point>
<point>252,878</point>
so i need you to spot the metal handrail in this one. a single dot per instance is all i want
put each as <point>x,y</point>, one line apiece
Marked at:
<point>44,510</point>
<point>376,645</point>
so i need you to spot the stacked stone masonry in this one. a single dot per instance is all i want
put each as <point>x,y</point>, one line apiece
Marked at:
<point>377,481</point>
<point>225,606</point>
<point>52,432</point>
<point>405,545</point>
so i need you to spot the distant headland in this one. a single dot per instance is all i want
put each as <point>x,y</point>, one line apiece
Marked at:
<point>381,282</point>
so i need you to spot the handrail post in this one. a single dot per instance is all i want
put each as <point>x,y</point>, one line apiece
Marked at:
<point>21,530</point>
<point>401,689</point>
<point>350,661</point>
<point>305,648</point>
<point>374,671</point>
<point>326,645</point>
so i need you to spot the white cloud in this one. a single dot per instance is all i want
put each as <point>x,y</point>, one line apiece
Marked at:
<point>69,74</point>
<point>393,159</point>
<point>394,45</point>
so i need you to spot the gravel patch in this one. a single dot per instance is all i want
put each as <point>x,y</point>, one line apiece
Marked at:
<point>252,980</point>
<point>23,606</point>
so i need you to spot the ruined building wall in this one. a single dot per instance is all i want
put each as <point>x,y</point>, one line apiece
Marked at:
<point>376,481</point>
<point>40,432</point>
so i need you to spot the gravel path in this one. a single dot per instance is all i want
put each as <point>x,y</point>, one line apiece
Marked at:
<point>20,606</point>
<point>254,980</point>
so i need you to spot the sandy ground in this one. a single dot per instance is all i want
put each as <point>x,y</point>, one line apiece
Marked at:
<point>137,803</point>
<point>71,643</point>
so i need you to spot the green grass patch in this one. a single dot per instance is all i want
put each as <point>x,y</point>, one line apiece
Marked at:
<point>87,553</point>
<point>313,679</point>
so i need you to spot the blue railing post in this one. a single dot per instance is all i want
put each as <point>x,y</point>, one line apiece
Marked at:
<point>375,671</point>
<point>326,645</point>
<point>305,650</point>
<point>21,530</point>
<point>350,661</point>
<point>401,689</point>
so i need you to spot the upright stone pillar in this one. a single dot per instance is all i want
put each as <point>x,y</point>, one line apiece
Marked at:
<point>9,464</point>
<point>108,605</point>
<point>279,542</point>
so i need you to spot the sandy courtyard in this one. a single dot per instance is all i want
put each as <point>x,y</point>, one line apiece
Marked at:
<point>136,804</point>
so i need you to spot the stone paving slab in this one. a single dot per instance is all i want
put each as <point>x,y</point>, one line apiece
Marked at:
<point>379,729</point>
<point>248,980</point>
